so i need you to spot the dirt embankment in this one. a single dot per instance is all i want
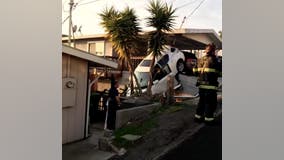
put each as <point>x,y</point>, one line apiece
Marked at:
<point>171,127</point>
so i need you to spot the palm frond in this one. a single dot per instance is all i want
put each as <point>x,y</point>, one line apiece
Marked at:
<point>161,16</point>
<point>123,30</point>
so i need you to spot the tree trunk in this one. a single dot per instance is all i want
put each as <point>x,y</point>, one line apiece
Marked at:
<point>133,75</point>
<point>149,91</point>
<point>131,79</point>
<point>170,91</point>
<point>122,67</point>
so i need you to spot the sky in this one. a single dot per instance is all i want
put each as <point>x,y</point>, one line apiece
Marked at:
<point>207,16</point>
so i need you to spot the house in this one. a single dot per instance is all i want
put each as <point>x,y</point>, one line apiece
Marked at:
<point>76,66</point>
<point>184,39</point>
<point>101,45</point>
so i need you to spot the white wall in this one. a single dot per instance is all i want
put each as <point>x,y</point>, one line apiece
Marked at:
<point>73,118</point>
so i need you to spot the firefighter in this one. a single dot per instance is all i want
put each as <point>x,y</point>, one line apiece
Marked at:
<point>207,70</point>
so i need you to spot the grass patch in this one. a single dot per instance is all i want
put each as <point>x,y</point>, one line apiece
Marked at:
<point>174,109</point>
<point>136,129</point>
<point>168,109</point>
<point>159,109</point>
<point>144,127</point>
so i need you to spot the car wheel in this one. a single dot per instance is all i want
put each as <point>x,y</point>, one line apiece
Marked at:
<point>180,65</point>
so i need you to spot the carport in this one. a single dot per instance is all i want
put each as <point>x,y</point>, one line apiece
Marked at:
<point>188,39</point>
<point>194,39</point>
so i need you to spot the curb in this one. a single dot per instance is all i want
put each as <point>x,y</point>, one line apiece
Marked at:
<point>175,144</point>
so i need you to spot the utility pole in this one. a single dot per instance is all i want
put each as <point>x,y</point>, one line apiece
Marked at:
<point>71,3</point>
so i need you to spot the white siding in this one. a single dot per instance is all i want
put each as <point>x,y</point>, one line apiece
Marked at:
<point>73,118</point>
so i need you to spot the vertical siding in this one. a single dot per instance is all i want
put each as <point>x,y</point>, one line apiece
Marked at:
<point>108,48</point>
<point>73,118</point>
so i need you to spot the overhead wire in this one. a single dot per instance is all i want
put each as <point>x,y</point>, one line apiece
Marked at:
<point>76,5</point>
<point>80,1</point>
<point>87,3</point>
<point>195,9</point>
<point>189,15</point>
<point>186,4</point>
<point>185,17</point>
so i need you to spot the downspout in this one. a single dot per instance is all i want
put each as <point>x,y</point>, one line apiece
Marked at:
<point>88,103</point>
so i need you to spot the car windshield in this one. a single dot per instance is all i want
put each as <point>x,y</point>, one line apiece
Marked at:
<point>143,78</point>
<point>159,73</point>
<point>146,63</point>
<point>164,60</point>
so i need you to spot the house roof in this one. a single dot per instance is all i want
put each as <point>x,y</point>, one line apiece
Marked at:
<point>184,39</point>
<point>89,57</point>
<point>93,36</point>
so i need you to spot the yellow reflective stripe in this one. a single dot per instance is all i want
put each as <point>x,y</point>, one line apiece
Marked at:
<point>194,69</point>
<point>208,87</point>
<point>204,70</point>
<point>197,116</point>
<point>207,69</point>
<point>209,119</point>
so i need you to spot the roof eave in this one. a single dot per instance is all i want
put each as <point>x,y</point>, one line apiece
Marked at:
<point>87,56</point>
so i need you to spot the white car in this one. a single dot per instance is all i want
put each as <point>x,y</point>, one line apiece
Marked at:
<point>171,62</point>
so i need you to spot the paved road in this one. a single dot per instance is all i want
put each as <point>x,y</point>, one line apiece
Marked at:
<point>206,144</point>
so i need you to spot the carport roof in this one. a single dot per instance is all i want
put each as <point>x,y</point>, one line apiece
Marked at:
<point>187,39</point>
<point>95,60</point>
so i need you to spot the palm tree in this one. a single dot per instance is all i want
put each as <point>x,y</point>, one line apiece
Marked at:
<point>220,34</point>
<point>123,30</point>
<point>162,20</point>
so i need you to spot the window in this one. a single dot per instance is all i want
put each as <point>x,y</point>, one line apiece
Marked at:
<point>143,78</point>
<point>97,48</point>
<point>146,63</point>
<point>159,73</point>
<point>164,60</point>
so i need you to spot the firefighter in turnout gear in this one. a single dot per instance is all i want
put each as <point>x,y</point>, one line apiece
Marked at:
<point>207,70</point>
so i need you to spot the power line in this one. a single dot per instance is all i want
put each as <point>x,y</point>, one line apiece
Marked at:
<point>173,1</point>
<point>195,9</point>
<point>87,3</point>
<point>187,4</point>
<point>80,1</point>
<point>76,5</point>
<point>65,19</point>
<point>185,17</point>
<point>73,8</point>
